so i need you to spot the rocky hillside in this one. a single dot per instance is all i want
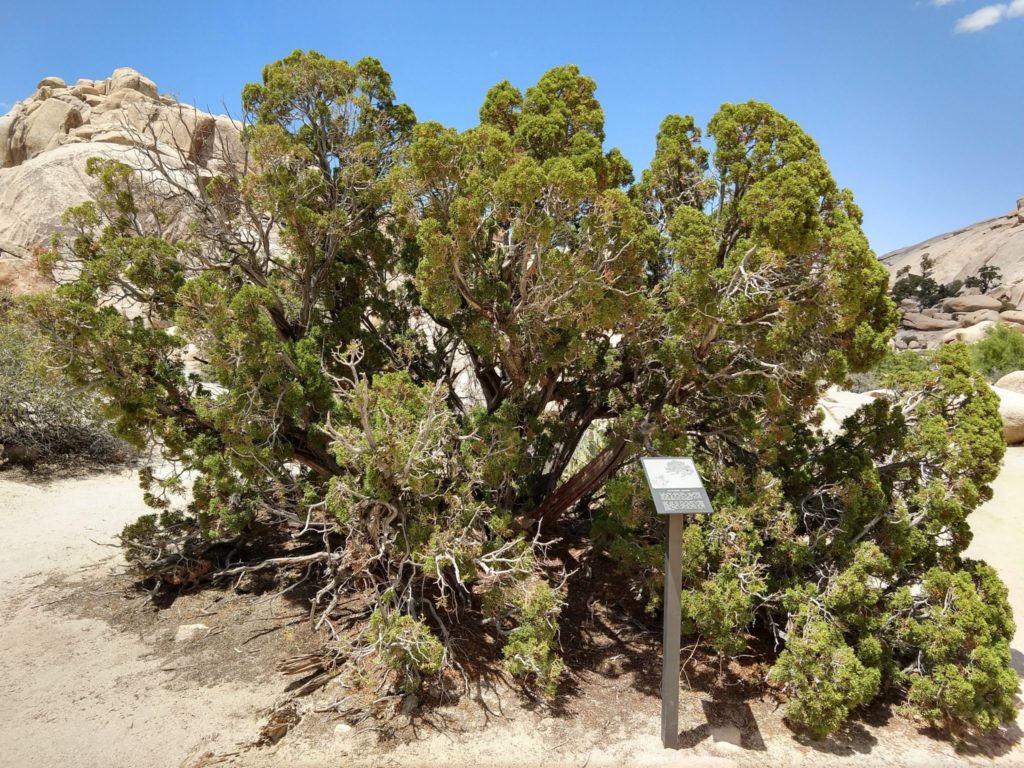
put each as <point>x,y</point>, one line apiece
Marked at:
<point>952,259</point>
<point>46,139</point>
<point>957,255</point>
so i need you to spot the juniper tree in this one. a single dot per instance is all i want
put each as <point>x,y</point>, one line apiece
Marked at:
<point>422,349</point>
<point>987,277</point>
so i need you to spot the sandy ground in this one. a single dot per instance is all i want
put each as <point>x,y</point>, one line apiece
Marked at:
<point>75,692</point>
<point>118,693</point>
<point>998,529</point>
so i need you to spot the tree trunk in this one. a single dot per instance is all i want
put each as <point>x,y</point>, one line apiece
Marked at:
<point>583,483</point>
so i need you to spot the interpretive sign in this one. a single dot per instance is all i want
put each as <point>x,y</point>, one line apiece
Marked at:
<point>676,487</point>
<point>677,491</point>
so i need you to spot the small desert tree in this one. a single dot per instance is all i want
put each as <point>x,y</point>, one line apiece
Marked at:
<point>924,287</point>
<point>407,331</point>
<point>987,277</point>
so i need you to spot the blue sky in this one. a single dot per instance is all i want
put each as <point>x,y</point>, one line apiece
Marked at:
<point>918,105</point>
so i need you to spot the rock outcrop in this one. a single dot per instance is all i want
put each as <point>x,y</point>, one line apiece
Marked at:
<point>997,243</point>
<point>969,335</point>
<point>45,141</point>
<point>1012,381</point>
<point>957,255</point>
<point>1014,316</point>
<point>1011,409</point>
<point>919,321</point>
<point>18,277</point>
<point>980,316</point>
<point>124,109</point>
<point>971,303</point>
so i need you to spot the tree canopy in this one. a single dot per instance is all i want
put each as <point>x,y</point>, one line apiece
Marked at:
<point>418,351</point>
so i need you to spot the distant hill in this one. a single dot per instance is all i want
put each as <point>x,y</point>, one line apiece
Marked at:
<point>959,254</point>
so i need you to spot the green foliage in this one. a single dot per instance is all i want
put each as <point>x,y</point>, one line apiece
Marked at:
<point>406,645</point>
<point>896,366</point>
<point>901,522</point>
<point>922,287</point>
<point>891,368</point>
<point>830,543</point>
<point>422,347</point>
<point>928,292</point>
<point>963,679</point>
<point>43,415</point>
<point>153,532</point>
<point>1000,352</point>
<point>985,278</point>
<point>823,676</point>
<point>530,651</point>
<point>721,609</point>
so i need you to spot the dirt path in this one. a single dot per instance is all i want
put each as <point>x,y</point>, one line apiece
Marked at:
<point>123,693</point>
<point>998,529</point>
<point>999,540</point>
<point>76,692</point>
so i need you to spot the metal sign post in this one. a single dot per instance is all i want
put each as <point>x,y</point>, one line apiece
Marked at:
<point>677,491</point>
<point>670,633</point>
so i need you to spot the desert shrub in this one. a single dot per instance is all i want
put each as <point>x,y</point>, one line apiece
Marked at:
<point>823,676</point>
<point>890,368</point>
<point>44,416</point>
<point>396,385</point>
<point>530,652</point>
<point>962,680</point>
<point>844,548</point>
<point>1000,352</point>
<point>406,645</point>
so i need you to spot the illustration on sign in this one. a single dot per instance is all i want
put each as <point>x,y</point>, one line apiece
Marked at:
<point>676,486</point>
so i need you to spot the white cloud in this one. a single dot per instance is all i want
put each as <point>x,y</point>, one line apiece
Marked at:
<point>986,17</point>
<point>941,3</point>
<point>1016,8</point>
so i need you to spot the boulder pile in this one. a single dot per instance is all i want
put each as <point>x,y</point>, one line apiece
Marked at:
<point>46,139</point>
<point>965,317</point>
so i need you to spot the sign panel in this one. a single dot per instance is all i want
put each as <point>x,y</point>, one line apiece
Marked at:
<point>676,487</point>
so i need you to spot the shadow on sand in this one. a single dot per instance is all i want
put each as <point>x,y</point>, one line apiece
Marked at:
<point>731,722</point>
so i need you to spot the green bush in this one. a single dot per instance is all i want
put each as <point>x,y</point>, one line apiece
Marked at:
<point>531,649</point>
<point>890,368</point>
<point>847,551</point>
<point>963,679</point>
<point>823,676</point>
<point>1000,352</point>
<point>406,645</point>
<point>44,416</point>
<point>399,390</point>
